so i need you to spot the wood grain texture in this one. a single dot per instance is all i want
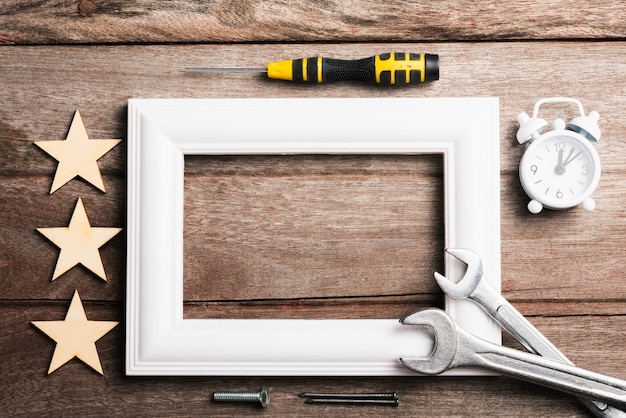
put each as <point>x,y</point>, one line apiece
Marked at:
<point>150,21</point>
<point>564,270</point>
<point>76,390</point>
<point>352,226</point>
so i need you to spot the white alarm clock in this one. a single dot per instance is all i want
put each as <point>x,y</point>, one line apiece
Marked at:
<point>560,169</point>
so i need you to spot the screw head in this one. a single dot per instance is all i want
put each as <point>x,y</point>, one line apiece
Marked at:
<point>264,396</point>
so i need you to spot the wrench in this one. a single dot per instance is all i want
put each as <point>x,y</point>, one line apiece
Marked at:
<point>455,347</point>
<point>473,285</point>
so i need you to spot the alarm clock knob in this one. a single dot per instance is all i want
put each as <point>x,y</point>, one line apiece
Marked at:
<point>534,206</point>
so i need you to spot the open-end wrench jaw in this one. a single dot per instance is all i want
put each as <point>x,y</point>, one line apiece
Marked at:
<point>464,287</point>
<point>445,346</point>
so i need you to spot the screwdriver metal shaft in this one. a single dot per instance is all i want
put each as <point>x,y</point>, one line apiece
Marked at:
<point>397,68</point>
<point>227,70</point>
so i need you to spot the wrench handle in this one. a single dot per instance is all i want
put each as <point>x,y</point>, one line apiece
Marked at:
<point>535,342</point>
<point>540,370</point>
<point>531,338</point>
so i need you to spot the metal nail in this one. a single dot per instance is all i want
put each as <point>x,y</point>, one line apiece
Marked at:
<point>262,397</point>
<point>384,395</point>
<point>388,402</point>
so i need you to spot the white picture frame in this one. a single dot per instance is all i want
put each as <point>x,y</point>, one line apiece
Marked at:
<point>159,341</point>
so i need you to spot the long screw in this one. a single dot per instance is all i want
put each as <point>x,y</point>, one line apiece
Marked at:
<point>262,397</point>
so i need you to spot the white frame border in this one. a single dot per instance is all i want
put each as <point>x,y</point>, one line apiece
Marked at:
<point>162,131</point>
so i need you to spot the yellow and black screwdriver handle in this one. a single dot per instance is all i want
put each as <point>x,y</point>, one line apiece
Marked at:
<point>387,69</point>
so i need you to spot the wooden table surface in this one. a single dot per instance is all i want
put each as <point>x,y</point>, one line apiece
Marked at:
<point>563,270</point>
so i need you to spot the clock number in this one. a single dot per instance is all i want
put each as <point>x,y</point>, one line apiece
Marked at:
<point>533,168</point>
<point>559,146</point>
<point>559,194</point>
<point>585,170</point>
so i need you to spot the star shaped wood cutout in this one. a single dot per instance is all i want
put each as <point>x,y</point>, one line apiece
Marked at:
<point>75,336</point>
<point>77,155</point>
<point>79,243</point>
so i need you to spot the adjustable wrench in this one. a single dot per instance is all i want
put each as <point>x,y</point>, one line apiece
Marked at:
<point>455,347</point>
<point>474,286</point>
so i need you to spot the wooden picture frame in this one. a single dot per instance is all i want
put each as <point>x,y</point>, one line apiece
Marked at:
<point>162,131</point>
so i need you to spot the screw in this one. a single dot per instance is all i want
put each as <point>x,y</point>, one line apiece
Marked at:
<point>262,397</point>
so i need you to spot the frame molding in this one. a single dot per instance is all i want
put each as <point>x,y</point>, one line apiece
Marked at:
<point>162,131</point>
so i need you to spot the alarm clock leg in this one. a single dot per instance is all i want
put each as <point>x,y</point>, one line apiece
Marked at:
<point>535,206</point>
<point>589,204</point>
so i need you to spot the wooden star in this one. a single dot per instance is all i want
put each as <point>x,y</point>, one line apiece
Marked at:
<point>79,243</point>
<point>76,336</point>
<point>77,155</point>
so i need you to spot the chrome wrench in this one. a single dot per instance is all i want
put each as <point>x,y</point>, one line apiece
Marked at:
<point>455,347</point>
<point>473,285</point>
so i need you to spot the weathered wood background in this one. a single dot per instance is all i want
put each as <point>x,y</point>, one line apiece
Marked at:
<point>284,259</point>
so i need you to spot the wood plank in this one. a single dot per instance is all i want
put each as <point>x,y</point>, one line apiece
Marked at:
<point>578,273</point>
<point>570,269</point>
<point>74,389</point>
<point>341,307</point>
<point>100,80</point>
<point>53,22</point>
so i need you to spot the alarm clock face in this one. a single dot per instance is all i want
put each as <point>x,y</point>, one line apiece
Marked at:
<point>560,169</point>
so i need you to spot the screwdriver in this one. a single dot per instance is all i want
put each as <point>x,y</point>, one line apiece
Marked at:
<point>397,68</point>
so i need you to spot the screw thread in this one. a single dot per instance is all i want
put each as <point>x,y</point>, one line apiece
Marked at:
<point>261,397</point>
<point>237,396</point>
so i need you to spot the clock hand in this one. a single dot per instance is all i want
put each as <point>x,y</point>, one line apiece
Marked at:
<point>570,158</point>
<point>560,167</point>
